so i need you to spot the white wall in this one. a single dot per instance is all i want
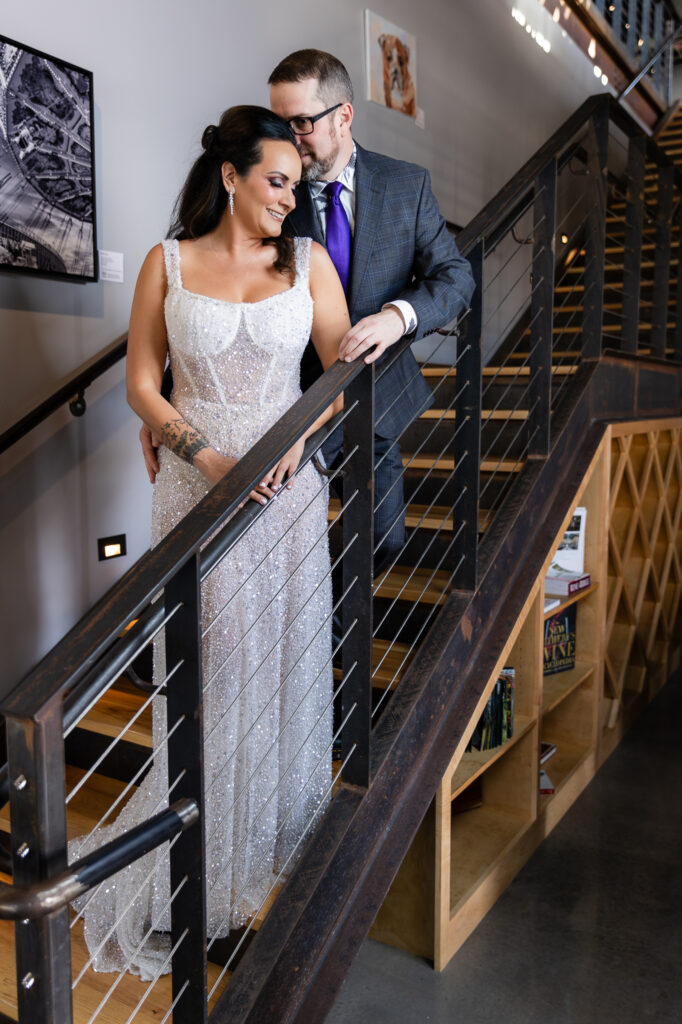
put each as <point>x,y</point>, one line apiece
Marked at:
<point>163,69</point>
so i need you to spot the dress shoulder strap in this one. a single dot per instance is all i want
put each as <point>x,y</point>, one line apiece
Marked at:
<point>302,259</point>
<point>171,258</point>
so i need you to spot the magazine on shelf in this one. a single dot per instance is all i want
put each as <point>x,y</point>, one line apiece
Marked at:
<point>559,642</point>
<point>570,553</point>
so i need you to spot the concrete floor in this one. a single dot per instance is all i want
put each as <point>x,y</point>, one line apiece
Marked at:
<point>589,932</point>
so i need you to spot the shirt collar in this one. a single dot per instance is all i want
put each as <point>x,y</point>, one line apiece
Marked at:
<point>346,177</point>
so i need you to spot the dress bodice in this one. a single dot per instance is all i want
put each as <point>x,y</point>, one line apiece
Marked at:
<point>236,365</point>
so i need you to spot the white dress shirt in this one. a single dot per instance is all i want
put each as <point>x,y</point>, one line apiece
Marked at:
<point>347,199</point>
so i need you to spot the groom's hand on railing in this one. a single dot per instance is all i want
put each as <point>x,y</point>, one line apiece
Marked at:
<point>378,331</point>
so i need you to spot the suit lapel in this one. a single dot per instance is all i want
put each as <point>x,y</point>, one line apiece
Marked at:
<point>370,192</point>
<point>303,221</point>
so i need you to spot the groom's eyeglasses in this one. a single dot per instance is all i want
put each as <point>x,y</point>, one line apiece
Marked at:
<point>306,125</point>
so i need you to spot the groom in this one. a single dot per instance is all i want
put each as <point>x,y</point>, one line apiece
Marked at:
<point>399,265</point>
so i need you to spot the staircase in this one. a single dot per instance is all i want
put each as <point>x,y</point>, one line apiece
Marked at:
<point>408,596</point>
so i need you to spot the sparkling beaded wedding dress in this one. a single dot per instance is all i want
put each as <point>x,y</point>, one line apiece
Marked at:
<point>266,649</point>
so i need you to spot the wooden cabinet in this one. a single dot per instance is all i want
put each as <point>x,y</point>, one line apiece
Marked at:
<point>488,815</point>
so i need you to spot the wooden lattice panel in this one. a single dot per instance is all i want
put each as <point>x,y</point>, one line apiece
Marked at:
<point>644,561</point>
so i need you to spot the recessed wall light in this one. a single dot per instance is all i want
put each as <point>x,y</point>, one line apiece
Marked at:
<point>111,547</point>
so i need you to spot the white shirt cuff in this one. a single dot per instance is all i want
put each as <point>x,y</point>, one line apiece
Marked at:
<point>407,313</point>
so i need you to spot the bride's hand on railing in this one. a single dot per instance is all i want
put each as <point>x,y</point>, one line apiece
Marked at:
<point>215,466</point>
<point>286,467</point>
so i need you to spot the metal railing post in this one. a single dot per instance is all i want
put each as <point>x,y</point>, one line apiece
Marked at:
<point>186,759</point>
<point>658,39</point>
<point>357,575</point>
<point>467,438</point>
<point>677,337</point>
<point>634,226</point>
<point>632,29</point>
<point>597,164</point>
<point>542,309</point>
<point>38,810</point>
<point>661,294</point>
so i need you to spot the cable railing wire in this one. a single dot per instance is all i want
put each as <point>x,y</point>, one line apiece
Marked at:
<point>235,902</point>
<point>323,802</point>
<point>91,895</point>
<point>107,750</point>
<point>442,487</point>
<point>525,272</point>
<point>415,604</point>
<point>420,448</point>
<point>121,671</point>
<point>274,793</point>
<point>127,789</point>
<point>446,374</point>
<point>114,926</point>
<point>112,988</point>
<point>274,694</point>
<point>153,984</point>
<point>322,488</point>
<point>415,642</point>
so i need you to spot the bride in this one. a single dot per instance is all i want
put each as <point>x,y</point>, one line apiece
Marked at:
<point>233,304</point>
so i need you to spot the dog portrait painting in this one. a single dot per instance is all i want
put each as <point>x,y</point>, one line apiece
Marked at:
<point>391,65</point>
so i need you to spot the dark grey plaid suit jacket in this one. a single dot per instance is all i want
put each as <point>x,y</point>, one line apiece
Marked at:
<point>402,249</point>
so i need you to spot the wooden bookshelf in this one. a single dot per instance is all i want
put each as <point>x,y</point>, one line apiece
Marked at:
<point>488,816</point>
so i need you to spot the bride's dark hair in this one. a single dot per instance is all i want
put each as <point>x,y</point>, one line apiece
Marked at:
<point>236,138</point>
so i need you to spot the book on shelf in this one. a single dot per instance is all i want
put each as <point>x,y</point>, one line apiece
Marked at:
<point>546,787</point>
<point>551,603</point>
<point>558,652</point>
<point>564,582</point>
<point>547,750</point>
<point>496,724</point>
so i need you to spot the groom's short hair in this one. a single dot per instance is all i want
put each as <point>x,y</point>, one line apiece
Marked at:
<point>335,84</point>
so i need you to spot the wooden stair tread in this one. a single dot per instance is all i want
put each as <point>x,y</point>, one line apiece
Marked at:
<point>112,713</point>
<point>393,663</point>
<point>93,986</point>
<point>486,414</point>
<point>487,465</point>
<point>421,588</point>
<point>565,288</point>
<point>89,804</point>
<point>416,516</point>
<point>492,371</point>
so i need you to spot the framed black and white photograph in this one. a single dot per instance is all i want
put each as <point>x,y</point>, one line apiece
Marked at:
<point>47,173</point>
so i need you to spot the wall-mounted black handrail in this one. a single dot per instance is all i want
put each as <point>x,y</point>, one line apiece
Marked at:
<point>650,63</point>
<point>71,392</point>
<point>41,898</point>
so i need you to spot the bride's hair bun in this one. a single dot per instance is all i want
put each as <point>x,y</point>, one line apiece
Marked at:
<point>209,137</point>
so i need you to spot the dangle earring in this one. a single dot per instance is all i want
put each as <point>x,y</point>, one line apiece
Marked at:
<point>230,200</point>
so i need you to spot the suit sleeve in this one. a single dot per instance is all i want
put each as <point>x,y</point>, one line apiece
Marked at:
<point>442,283</point>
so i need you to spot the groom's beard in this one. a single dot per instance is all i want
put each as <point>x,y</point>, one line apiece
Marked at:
<point>319,167</point>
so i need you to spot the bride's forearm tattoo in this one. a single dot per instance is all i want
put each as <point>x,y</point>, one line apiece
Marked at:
<point>183,440</point>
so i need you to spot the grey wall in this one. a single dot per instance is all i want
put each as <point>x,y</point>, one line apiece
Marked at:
<point>163,69</point>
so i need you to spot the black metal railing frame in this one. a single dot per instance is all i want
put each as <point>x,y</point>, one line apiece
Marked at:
<point>56,694</point>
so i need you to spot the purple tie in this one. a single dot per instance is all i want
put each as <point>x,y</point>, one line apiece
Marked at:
<point>338,231</point>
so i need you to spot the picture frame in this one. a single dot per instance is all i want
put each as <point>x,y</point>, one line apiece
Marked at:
<point>47,166</point>
<point>391,65</point>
